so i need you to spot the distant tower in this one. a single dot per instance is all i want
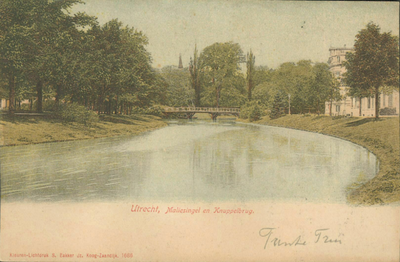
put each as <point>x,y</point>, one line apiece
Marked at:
<point>180,62</point>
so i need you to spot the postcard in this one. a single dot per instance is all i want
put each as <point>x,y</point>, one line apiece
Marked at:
<point>199,130</point>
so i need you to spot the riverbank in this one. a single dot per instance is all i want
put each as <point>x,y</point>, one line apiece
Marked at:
<point>380,137</point>
<point>22,130</point>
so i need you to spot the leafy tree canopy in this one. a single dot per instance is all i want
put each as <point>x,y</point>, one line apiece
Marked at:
<point>373,64</point>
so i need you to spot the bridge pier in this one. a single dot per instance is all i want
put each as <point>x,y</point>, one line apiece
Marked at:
<point>214,116</point>
<point>190,115</point>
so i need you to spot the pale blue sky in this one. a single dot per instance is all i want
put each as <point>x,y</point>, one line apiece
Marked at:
<point>272,29</point>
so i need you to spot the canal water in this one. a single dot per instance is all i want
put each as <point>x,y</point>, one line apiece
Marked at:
<point>188,161</point>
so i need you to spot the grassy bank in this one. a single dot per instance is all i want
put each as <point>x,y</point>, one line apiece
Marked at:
<point>380,137</point>
<point>20,130</point>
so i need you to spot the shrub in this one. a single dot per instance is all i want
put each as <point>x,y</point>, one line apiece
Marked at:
<point>155,110</point>
<point>76,113</point>
<point>252,111</point>
<point>47,105</point>
<point>25,107</point>
<point>388,111</point>
<point>137,110</point>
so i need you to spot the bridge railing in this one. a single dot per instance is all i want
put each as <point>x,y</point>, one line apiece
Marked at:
<point>202,109</point>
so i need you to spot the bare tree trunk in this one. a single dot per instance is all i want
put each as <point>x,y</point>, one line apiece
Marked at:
<point>377,103</point>
<point>99,104</point>
<point>39,92</point>
<point>58,95</point>
<point>218,93</point>
<point>11,108</point>
<point>249,89</point>
<point>197,95</point>
<point>116,105</point>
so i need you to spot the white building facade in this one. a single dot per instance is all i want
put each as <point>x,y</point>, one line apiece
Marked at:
<point>350,106</point>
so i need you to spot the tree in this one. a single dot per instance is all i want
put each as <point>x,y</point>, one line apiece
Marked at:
<point>179,91</point>
<point>195,74</point>
<point>220,61</point>
<point>374,63</point>
<point>289,78</point>
<point>15,37</point>
<point>334,92</point>
<point>322,87</point>
<point>54,34</point>
<point>279,105</point>
<point>250,73</point>
<point>118,70</point>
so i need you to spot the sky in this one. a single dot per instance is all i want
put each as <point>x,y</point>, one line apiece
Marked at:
<point>275,31</point>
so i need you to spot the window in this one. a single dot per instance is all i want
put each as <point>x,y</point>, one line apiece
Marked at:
<point>383,100</point>
<point>369,102</point>
<point>338,58</point>
<point>337,108</point>
<point>390,101</point>
<point>352,103</point>
<point>372,102</point>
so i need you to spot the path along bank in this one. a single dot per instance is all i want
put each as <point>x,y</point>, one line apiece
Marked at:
<point>380,137</point>
<point>22,130</point>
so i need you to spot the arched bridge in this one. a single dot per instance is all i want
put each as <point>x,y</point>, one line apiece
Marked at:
<point>213,111</point>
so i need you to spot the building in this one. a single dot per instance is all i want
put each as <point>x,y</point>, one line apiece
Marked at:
<point>4,103</point>
<point>350,106</point>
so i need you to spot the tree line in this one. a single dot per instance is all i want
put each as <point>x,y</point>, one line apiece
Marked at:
<point>216,78</point>
<point>49,54</point>
<point>46,52</point>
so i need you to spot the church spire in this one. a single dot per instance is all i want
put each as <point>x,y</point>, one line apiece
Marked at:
<point>180,62</point>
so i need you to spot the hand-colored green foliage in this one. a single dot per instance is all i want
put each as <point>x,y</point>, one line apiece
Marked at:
<point>155,110</point>
<point>309,86</point>
<point>222,77</point>
<point>196,76</point>
<point>278,106</point>
<point>374,64</point>
<point>178,87</point>
<point>77,113</point>
<point>250,73</point>
<point>47,52</point>
<point>252,110</point>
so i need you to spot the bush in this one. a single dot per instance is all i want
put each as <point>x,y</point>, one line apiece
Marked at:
<point>137,110</point>
<point>252,111</point>
<point>47,105</point>
<point>26,107</point>
<point>387,111</point>
<point>76,113</point>
<point>155,110</point>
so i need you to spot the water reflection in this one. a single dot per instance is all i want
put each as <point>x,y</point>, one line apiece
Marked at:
<point>190,161</point>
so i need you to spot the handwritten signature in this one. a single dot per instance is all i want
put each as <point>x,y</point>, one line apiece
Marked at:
<point>320,236</point>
